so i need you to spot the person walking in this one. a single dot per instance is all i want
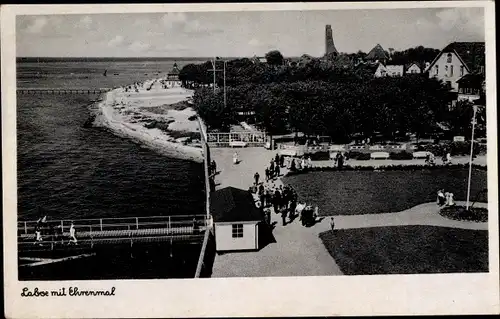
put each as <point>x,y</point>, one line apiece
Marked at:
<point>277,201</point>
<point>309,162</point>
<point>277,170</point>
<point>441,199</point>
<point>283,217</point>
<point>277,160</point>
<point>282,160</point>
<point>271,170</point>
<point>256,178</point>
<point>267,174</point>
<point>268,198</point>
<point>332,223</point>
<point>72,234</point>
<point>235,158</point>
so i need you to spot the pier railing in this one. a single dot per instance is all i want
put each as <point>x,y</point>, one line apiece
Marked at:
<point>62,90</point>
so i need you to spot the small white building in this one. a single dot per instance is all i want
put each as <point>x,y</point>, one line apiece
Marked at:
<point>236,220</point>
<point>394,70</point>
<point>413,68</point>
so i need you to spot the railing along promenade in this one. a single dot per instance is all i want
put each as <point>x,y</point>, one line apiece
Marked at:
<point>300,150</point>
<point>236,139</point>
<point>62,90</point>
<point>110,231</point>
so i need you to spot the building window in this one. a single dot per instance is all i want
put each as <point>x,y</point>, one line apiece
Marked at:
<point>451,70</point>
<point>448,58</point>
<point>437,69</point>
<point>237,230</point>
<point>446,70</point>
<point>462,70</point>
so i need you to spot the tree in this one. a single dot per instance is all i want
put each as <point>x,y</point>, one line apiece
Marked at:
<point>274,57</point>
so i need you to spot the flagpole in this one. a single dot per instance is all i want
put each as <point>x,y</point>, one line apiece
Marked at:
<point>214,73</point>
<point>224,84</point>
<point>471,154</point>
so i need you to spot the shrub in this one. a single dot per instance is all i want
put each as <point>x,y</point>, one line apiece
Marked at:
<point>474,214</point>
<point>400,155</point>
<point>455,148</point>
<point>358,155</point>
<point>318,156</point>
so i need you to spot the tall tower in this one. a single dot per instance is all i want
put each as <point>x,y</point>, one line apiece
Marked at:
<point>329,46</point>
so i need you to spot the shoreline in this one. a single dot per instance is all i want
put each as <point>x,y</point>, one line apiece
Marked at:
<point>126,113</point>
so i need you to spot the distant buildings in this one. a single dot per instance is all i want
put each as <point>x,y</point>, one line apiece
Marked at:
<point>377,54</point>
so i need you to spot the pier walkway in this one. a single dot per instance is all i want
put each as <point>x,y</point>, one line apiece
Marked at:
<point>92,233</point>
<point>62,90</point>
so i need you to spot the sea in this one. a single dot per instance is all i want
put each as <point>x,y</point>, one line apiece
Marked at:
<point>68,171</point>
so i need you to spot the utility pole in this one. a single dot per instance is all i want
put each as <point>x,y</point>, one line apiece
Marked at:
<point>471,154</point>
<point>214,70</point>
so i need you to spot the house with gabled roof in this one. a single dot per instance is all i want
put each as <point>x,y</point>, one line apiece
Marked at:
<point>456,60</point>
<point>414,68</point>
<point>377,54</point>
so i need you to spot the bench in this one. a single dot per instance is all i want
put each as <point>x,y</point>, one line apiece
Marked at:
<point>237,144</point>
<point>379,155</point>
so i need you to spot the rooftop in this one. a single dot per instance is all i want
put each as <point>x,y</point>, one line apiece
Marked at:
<point>232,204</point>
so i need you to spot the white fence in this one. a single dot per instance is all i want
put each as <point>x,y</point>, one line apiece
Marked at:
<point>240,139</point>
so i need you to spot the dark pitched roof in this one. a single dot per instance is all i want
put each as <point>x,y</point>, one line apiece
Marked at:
<point>233,205</point>
<point>370,67</point>
<point>471,80</point>
<point>377,53</point>
<point>471,53</point>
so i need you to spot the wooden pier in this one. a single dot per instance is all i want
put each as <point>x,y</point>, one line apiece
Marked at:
<point>92,233</point>
<point>61,91</point>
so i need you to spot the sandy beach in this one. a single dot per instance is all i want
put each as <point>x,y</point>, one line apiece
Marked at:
<point>154,116</point>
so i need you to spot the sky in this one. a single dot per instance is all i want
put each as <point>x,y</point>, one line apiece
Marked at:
<point>242,33</point>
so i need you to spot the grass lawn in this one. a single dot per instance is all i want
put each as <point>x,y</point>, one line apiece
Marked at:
<point>361,192</point>
<point>407,250</point>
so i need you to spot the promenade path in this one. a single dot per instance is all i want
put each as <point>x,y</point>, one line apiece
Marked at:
<point>298,251</point>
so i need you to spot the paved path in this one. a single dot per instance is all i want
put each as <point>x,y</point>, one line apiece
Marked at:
<point>298,251</point>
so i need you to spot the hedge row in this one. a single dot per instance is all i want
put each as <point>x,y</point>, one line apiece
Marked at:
<point>454,148</point>
<point>385,168</point>
<point>474,214</point>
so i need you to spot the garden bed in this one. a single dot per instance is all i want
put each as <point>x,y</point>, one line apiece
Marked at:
<point>475,214</point>
<point>415,167</point>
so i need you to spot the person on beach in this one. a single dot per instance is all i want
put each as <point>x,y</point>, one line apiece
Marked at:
<point>72,234</point>
<point>441,199</point>
<point>332,223</point>
<point>256,178</point>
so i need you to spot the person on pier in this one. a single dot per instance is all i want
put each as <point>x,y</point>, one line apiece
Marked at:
<point>267,174</point>
<point>72,234</point>
<point>235,158</point>
<point>277,201</point>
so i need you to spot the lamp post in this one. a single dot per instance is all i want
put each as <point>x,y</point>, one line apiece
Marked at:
<point>471,154</point>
